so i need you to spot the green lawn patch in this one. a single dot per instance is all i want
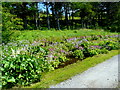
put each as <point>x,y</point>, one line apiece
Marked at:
<point>59,75</point>
<point>32,35</point>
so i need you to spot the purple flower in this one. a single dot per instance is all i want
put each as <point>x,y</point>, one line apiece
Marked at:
<point>62,51</point>
<point>33,44</point>
<point>79,42</point>
<point>50,55</point>
<point>71,39</point>
<point>43,40</point>
<point>51,49</point>
<point>84,40</point>
<point>116,35</point>
<point>76,46</point>
<point>81,48</point>
<point>55,56</point>
<point>95,46</point>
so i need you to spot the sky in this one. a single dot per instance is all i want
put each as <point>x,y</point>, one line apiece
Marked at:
<point>43,8</point>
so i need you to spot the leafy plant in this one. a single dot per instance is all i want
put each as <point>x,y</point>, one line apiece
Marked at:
<point>93,52</point>
<point>104,51</point>
<point>63,59</point>
<point>78,54</point>
<point>21,70</point>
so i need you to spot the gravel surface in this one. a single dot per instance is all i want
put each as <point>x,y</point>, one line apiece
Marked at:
<point>104,75</point>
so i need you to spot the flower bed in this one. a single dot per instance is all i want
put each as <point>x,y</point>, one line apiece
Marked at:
<point>24,62</point>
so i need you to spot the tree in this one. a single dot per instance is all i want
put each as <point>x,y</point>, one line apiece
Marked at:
<point>113,16</point>
<point>47,13</point>
<point>56,12</point>
<point>58,7</point>
<point>9,22</point>
<point>33,8</point>
<point>22,10</point>
<point>89,15</point>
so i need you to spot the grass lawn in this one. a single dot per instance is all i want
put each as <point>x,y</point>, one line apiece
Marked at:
<point>32,35</point>
<point>65,73</point>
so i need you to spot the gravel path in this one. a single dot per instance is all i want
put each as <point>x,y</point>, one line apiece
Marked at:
<point>104,75</point>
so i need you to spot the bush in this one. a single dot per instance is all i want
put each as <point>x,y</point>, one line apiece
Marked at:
<point>78,54</point>
<point>93,52</point>
<point>104,51</point>
<point>111,45</point>
<point>6,35</point>
<point>22,70</point>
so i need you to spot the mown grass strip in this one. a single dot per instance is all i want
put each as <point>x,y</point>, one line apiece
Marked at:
<point>65,73</point>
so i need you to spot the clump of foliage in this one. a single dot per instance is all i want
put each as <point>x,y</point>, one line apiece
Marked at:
<point>22,69</point>
<point>78,54</point>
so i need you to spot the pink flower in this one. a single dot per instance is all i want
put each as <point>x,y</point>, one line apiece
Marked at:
<point>51,49</point>
<point>81,48</point>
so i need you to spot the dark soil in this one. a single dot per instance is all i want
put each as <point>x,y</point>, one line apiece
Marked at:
<point>70,61</point>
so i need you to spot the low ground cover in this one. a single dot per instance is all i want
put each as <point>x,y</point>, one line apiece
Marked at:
<point>25,61</point>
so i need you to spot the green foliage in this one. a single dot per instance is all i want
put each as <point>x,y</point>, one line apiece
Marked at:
<point>6,36</point>
<point>36,50</point>
<point>93,52</point>
<point>62,74</point>
<point>63,59</point>
<point>18,23</point>
<point>112,45</point>
<point>22,70</point>
<point>9,22</point>
<point>102,51</point>
<point>24,61</point>
<point>6,27</point>
<point>15,70</point>
<point>78,54</point>
<point>84,15</point>
<point>56,36</point>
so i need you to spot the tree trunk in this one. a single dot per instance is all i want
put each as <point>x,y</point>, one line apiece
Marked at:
<point>25,22</point>
<point>39,21</point>
<point>82,22</point>
<point>99,19</point>
<point>36,18</point>
<point>58,23</point>
<point>66,16</point>
<point>53,16</point>
<point>48,21</point>
<point>72,19</point>
<point>36,22</point>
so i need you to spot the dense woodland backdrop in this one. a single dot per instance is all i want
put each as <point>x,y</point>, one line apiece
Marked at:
<point>60,15</point>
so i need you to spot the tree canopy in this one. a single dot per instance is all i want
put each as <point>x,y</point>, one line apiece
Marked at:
<point>60,15</point>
